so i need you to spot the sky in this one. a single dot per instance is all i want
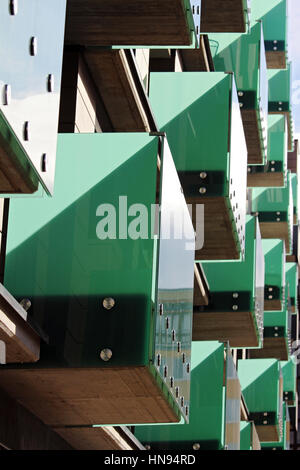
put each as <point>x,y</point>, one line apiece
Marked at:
<point>294,57</point>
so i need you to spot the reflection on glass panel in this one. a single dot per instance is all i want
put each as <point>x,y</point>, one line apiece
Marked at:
<point>30,74</point>
<point>238,168</point>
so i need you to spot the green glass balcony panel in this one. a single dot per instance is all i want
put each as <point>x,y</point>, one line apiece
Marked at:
<point>280,89</point>
<point>289,374</point>
<point>294,180</point>
<point>291,279</point>
<point>261,383</point>
<point>274,254</point>
<point>284,443</point>
<point>278,321</point>
<point>206,428</point>
<point>29,106</point>
<point>280,101</point>
<point>235,309</point>
<point>102,283</point>
<point>244,55</point>
<point>151,23</point>
<point>248,436</point>
<point>274,173</point>
<point>274,207</point>
<point>209,151</point>
<point>273,14</point>
<point>220,17</point>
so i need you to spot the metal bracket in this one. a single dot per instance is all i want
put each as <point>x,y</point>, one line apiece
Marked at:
<point>279,106</point>
<point>275,46</point>
<point>203,183</point>
<point>264,418</point>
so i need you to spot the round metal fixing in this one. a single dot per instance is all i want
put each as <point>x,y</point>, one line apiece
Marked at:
<point>33,46</point>
<point>158,359</point>
<point>249,169</point>
<point>147,447</point>
<point>235,307</point>
<point>203,175</point>
<point>240,93</point>
<point>13,7</point>
<point>26,134</point>
<point>202,190</point>
<point>265,422</point>
<point>277,213</point>
<point>279,109</point>
<point>44,163</point>
<point>274,48</point>
<point>270,297</point>
<point>235,295</point>
<point>108,303</point>
<point>275,41</point>
<point>196,446</point>
<point>273,162</point>
<point>241,105</point>
<point>270,289</point>
<point>106,354</point>
<point>50,83</point>
<point>272,170</point>
<point>26,304</point>
<point>277,220</point>
<point>7,94</point>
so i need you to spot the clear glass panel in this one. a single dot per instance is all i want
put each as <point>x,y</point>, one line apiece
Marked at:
<point>175,285</point>
<point>291,213</point>
<point>238,169</point>
<point>263,93</point>
<point>30,65</point>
